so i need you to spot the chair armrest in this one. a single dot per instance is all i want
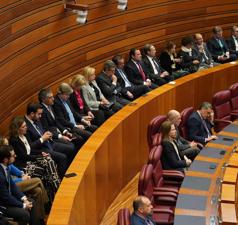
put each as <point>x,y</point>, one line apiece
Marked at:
<point>169,211</point>
<point>166,189</point>
<point>179,176</point>
<point>234,115</point>
<point>164,194</point>
<point>222,121</point>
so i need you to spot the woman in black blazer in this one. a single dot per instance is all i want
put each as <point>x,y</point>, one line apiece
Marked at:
<point>171,156</point>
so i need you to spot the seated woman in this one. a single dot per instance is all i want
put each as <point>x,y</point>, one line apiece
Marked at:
<point>170,62</point>
<point>35,162</point>
<point>80,105</point>
<point>171,157</point>
<point>190,59</point>
<point>93,95</point>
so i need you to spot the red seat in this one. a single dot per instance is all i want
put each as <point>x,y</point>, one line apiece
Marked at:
<point>234,97</point>
<point>153,136</point>
<point>185,114</point>
<point>163,202</point>
<point>171,177</point>
<point>124,216</point>
<point>222,109</point>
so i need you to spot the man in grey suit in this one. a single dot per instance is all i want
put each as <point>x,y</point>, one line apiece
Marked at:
<point>190,149</point>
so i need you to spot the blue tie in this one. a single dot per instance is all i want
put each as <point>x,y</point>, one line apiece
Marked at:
<point>70,114</point>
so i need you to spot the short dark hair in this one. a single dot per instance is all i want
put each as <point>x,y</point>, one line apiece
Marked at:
<point>187,40</point>
<point>216,29</point>
<point>170,45</point>
<point>32,108</point>
<point>205,105</point>
<point>43,94</point>
<point>147,48</point>
<point>116,59</point>
<point>5,152</point>
<point>108,65</point>
<point>138,203</point>
<point>132,52</point>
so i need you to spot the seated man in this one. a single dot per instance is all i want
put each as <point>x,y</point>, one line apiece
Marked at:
<point>143,211</point>
<point>110,87</point>
<point>203,52</point>
<point>232,42</point>
<point>218,47</point>
<point>190,149</point>
<point>155,72</point>
<point>136,71</point>
<point>17,205</point>
<point>129,90</point>
<point>200,124</point>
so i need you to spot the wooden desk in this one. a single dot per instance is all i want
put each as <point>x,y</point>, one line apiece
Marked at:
<point>117,150</point>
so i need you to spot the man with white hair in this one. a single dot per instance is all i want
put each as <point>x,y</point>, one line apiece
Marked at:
<point>190,149</point>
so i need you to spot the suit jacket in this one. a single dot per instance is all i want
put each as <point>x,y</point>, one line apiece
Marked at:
<point>133,73</point>
<point>201,55</point>
<point>121,82</point>
<point>196,129</point>
<point>215,49</point>
<point>108,89</point>
<point>166,62</point>
<point>49,123</point>
<point>170,159</point>
<point>231,45</point>
<point>12,198</point>
<point>181,142</point>
<point>74,103</point>
<point>34,137</point>
<point>90,96</point>
<point>62,114</point>
<point>137,220</point>
<point>150,70</point>
<point>21,152</point>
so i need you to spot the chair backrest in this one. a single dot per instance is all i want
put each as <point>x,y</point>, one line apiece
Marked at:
<point>153,128</point>
<point>234,96</point>
<point>185,114</point>
<point>146,184</point>
<point>124,216</point>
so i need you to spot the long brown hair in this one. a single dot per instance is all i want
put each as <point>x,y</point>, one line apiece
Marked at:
<point>15,125</point>
<point>165,129</point>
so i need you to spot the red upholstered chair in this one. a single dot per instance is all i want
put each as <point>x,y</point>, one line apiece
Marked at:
<point>162,201</point>
<point>124,217</point>
<point>234,97</point>
<point>153,136</point>
<point>222,109</point>
<point>171,177</point>
<point>185,114</point>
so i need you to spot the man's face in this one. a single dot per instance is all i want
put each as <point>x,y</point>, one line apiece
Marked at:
<point>205,113</point>
<point>199,39</point>
<point>12,158</point>
<point>219,34</point>
<point>121,63</point>
<point>152,51</point>
<point>235,32</point>
<point>177,120</point>
<point>137,56</point>
<point>147,208</point>
<point>64,96</point>
<point>36,116</point>
<point>111,71</point>
<point>49,99</point>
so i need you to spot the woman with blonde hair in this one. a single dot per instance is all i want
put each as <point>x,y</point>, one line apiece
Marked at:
<point>171,157</point>
<point>93,95</point>
<point>80,105</point>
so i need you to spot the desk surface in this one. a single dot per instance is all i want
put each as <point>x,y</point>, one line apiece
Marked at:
<point>200,190</point>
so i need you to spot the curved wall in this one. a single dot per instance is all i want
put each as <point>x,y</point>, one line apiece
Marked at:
<point>41,44</point>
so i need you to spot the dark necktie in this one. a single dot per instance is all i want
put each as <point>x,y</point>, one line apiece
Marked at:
<point>141,71</point>
<point>206,128</point>
<point>8,179</point>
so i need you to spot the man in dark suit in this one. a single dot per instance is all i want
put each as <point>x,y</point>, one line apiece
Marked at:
<point>136,71</point>
<point>200,124</point>
<point>41,139</point>
<point>111,89</point>
<point>232,42</point>
<point>68,117</point>
<point>17,205</point>
<point>49,122</point>
<point>218,47</point>
<point>143,211</point>
<point>190,149</point>
<point>128,89</point>
<point>155,72</point>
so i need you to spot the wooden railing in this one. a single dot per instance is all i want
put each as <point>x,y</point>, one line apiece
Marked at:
<point>118,149</point>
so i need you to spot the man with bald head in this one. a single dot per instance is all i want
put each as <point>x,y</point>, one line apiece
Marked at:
<point>187,148</point>
<point>203,52</point>
<point>143,211</point>
<point>232,42</point>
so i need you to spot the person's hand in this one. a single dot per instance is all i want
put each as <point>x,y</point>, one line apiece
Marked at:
<point>44,154</point>
<point>193,144</point>
<point>105,101</point>
<point>178,60</point>
<point>87,118</point>
<point>25,177</point>
<point>80,126</point>
<point>129,94</point>
<point>196,61</point>
<point>213,137</point>
<point>66,138</point>
<point>148,81</point>
<point>188,161</point>
<point>68,134</point>
<point>28,204</point>
<point>114,78</point>
<point>46,136</point>
<point>90,114</point>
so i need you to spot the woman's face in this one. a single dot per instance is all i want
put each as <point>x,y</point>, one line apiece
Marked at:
<point>22,129</point>
<point>172,133</point>
<point>172,50</point>
<point>77,87</point>
<point>91,77</point>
